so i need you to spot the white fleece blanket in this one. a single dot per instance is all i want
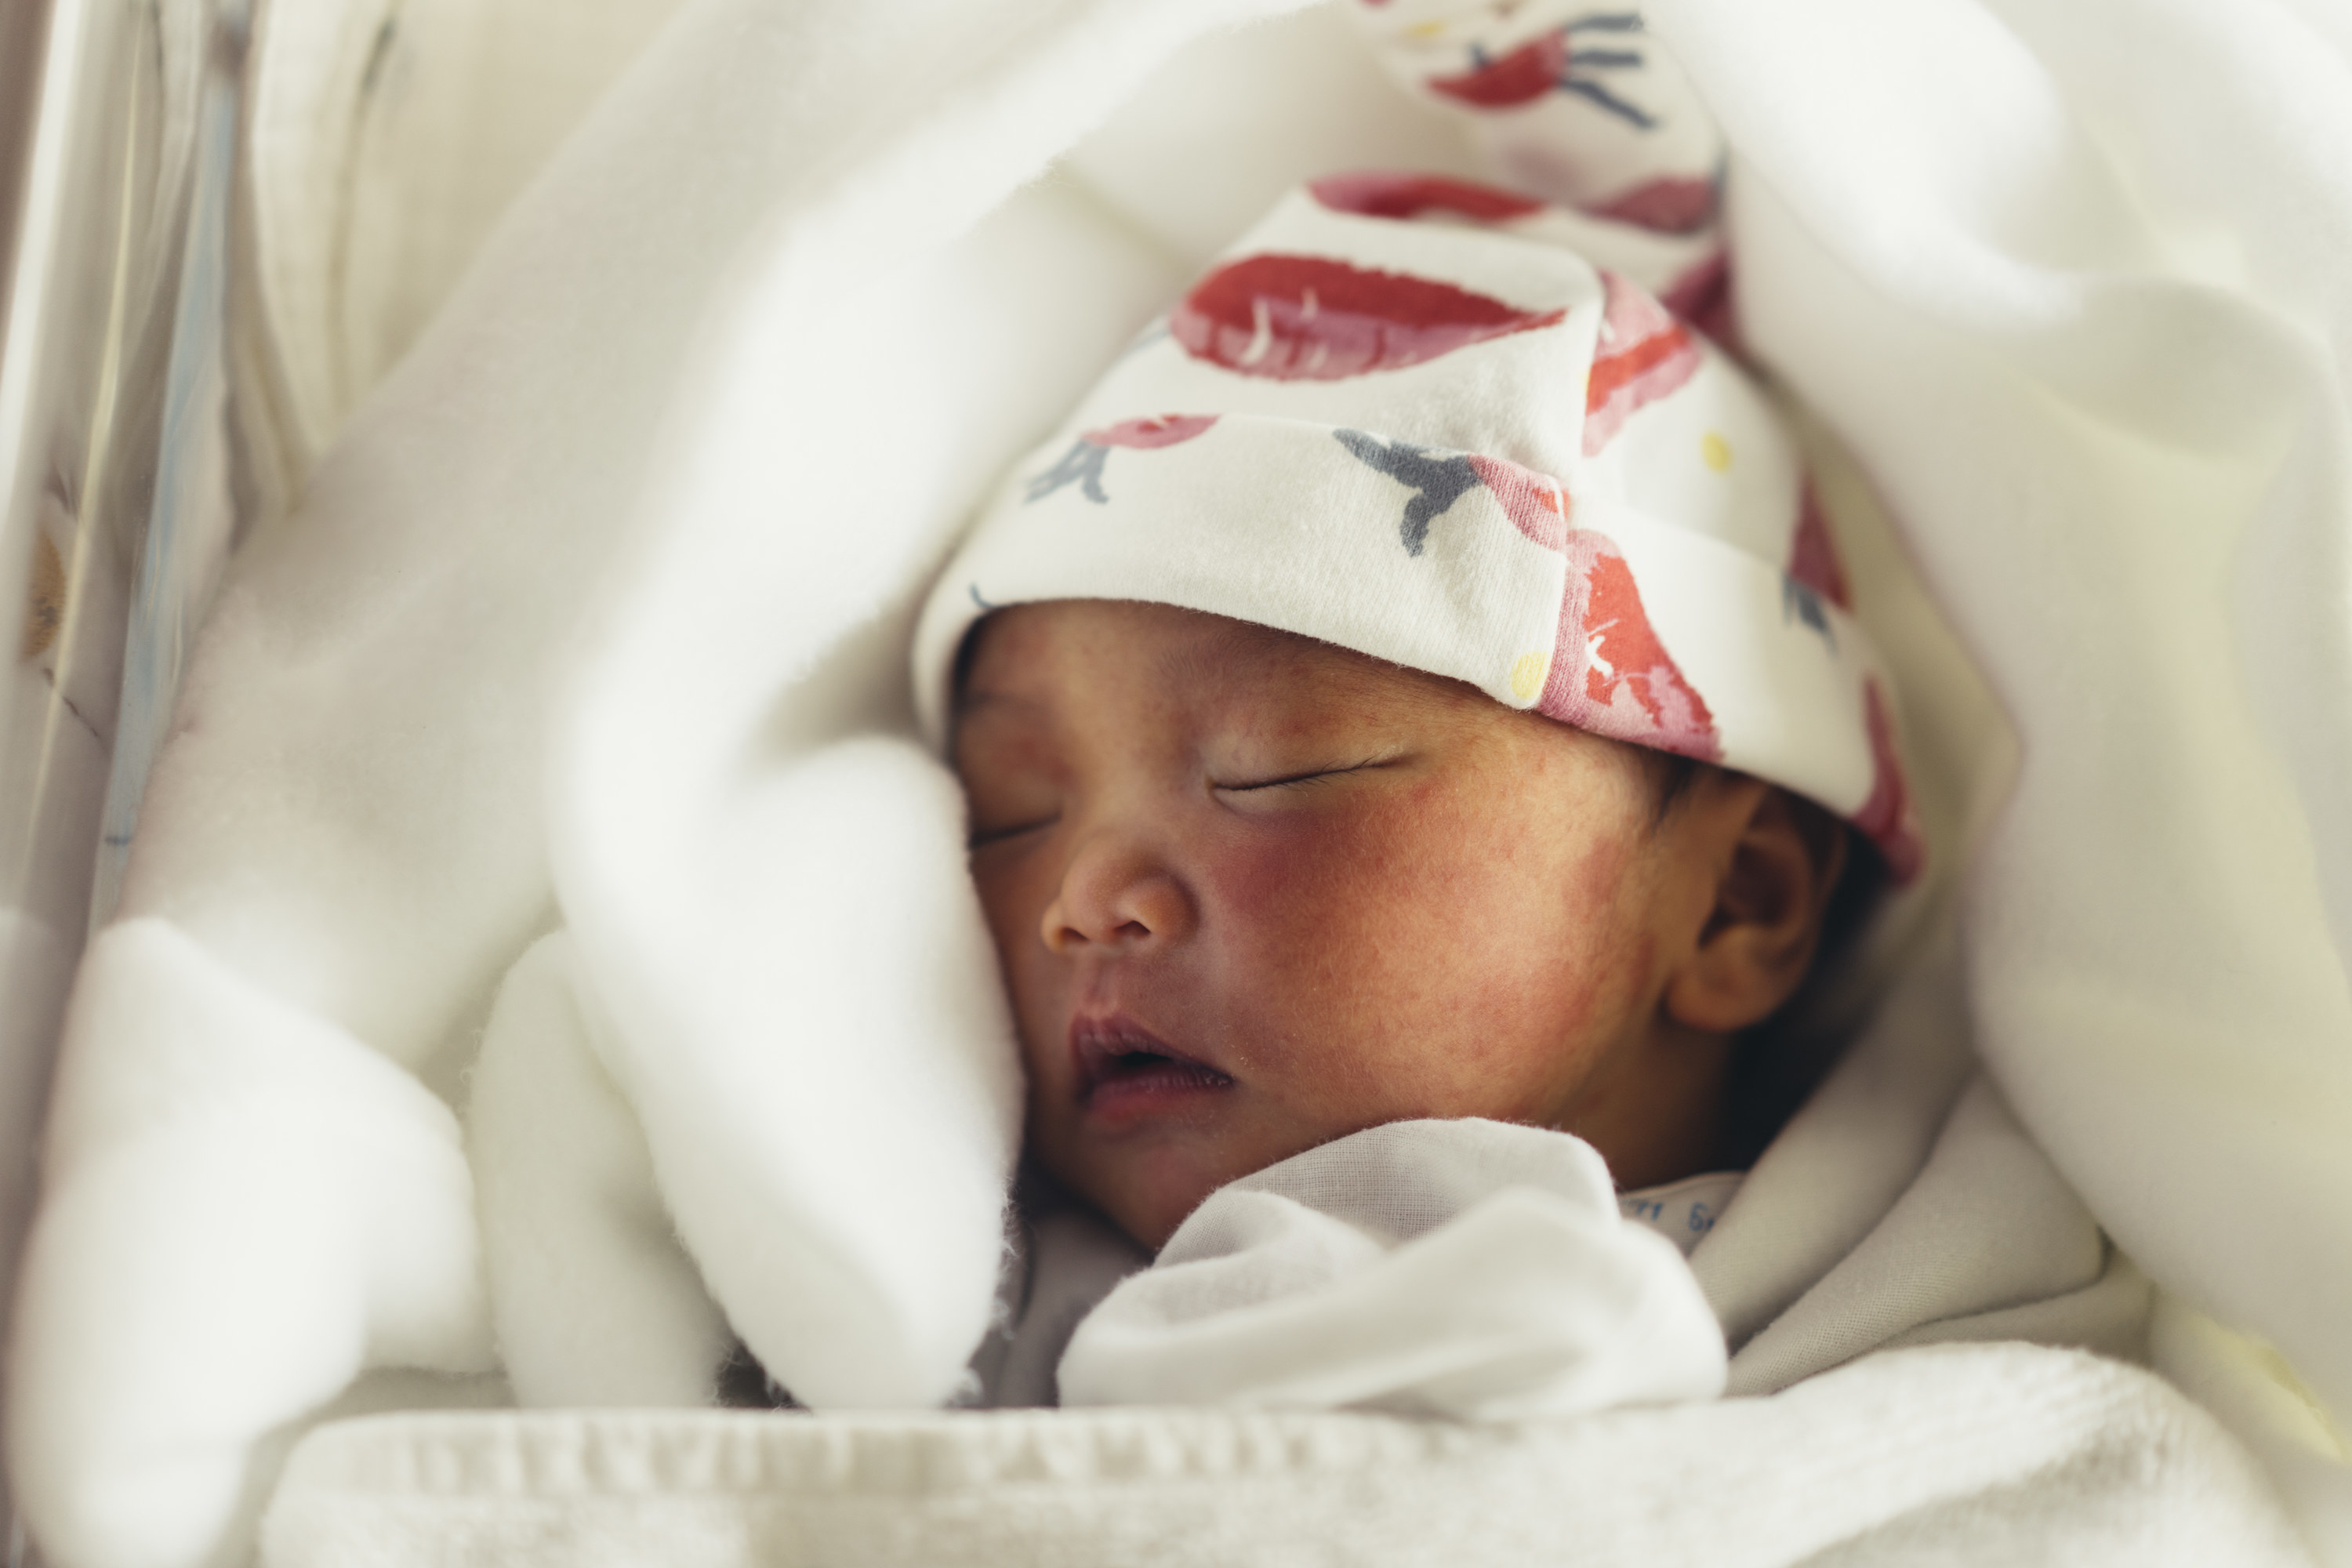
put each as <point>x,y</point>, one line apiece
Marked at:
<point>594,616</point>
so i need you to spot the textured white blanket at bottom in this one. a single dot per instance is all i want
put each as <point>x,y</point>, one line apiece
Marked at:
<point>1954,1453</point>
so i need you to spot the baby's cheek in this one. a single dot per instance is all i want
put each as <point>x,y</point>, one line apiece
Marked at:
<point>1456,957</point>
<point>1287,912</point>
<point>1338,930</point>
<point>1285,874</point>
<point>1313,876</point>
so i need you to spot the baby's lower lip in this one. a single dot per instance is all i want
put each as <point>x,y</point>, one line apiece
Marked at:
<point>1131,1089</point>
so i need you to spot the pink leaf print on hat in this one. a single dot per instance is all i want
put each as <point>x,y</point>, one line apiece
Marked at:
<point>1702,296</point>
<point>1611,675</point>
<point>1887,818</point>
<point>1534,502</point>
<point>1507,81</point>
<point>1082,465</point>
<point>1144,434</point>
<point>1380,193</point>
<point>1642,355</point>
<point>1307,318</point>
<point>1672,203</point>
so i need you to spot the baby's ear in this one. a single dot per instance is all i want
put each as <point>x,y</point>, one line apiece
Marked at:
<point>1773,861</point>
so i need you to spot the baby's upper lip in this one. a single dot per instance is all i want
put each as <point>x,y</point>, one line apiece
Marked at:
<point>1097,1040</point>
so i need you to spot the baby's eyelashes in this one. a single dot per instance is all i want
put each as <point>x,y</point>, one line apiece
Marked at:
<point>1304,776</point>
<point>981,837</point>
<point>1003,815</point>
<point>1285,782</point>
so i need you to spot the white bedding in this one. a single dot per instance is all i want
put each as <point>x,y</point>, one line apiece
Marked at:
<point>593,614</point>
<point>1979,1454</point>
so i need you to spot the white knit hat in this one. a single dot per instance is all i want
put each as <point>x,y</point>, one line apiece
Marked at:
<point>1408,415</point>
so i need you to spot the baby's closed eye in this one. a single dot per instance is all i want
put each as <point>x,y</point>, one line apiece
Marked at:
<point>981,835</point>
<point>1249,782</point>
<point>1271,784</point>
<point>1005,802</point>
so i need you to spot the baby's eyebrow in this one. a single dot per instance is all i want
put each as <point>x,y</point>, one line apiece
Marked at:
<point>1192,661</point>
<point>979,700</point>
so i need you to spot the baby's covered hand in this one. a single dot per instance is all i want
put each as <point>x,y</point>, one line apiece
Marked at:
<point>1469,1268</point>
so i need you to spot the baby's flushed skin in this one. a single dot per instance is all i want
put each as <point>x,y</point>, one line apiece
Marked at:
<point>1253,892</point>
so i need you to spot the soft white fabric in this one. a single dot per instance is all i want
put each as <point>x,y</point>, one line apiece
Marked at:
<point>2120,458</point>
<point>592,1299</point>
<point>1066,1258</point>
<point>2258,1397</point>
<point>628,504</point>
<point>383,140</point>
<point>1963,1454</point>
<point>302,1212</point>
<point>1465,1268</point>
<point>1903,1204</point>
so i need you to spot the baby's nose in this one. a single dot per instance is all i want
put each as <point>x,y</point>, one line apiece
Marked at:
<point>1117,894</point>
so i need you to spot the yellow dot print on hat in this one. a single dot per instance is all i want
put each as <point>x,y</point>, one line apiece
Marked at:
<point>1528,674</point>
<point>1715,451</point>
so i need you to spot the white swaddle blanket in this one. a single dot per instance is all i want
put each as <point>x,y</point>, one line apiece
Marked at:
<point>577,622</point>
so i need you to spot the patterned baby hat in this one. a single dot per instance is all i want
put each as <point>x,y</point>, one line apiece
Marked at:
<point>1407,416</point>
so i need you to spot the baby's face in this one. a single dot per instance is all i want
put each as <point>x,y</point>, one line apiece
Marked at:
<point>1253,892</point>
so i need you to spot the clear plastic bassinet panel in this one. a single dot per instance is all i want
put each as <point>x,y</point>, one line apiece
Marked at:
<point>117,135</point>
<point>128,463</point>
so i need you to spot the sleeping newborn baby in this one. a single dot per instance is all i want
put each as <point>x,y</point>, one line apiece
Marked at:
<point>1411,728</point>
<point>1253,892</point>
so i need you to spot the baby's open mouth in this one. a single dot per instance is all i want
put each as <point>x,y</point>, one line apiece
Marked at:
<point>1121,1065</point>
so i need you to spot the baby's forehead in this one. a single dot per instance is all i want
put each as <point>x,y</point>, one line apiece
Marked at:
<point>1027,651</point>
<point>1208,649</point>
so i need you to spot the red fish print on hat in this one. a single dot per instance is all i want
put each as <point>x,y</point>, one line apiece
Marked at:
<point>1554,62</point>
<point>1309,318</point>
<point>1082,465</point>
<point>1438,479</point>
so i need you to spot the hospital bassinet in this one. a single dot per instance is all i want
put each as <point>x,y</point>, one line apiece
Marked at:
<point>2109,254</point>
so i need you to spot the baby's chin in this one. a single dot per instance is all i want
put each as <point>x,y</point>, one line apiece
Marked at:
<point>1151,1219</point>
<point>1147,1203</point>
<point>1147,1186</point>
